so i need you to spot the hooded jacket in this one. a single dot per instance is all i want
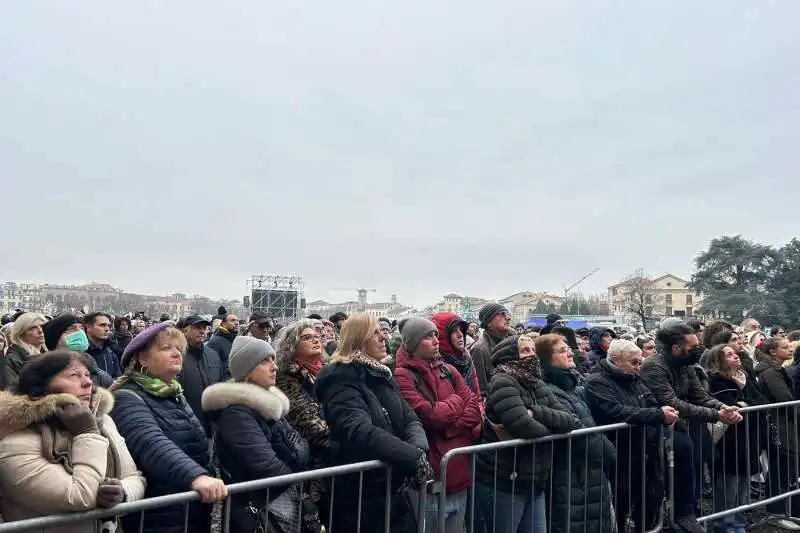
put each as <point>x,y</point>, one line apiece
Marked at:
<point>449,411</point>
<point>368,420</point>
<point>596,351</point>
<point>253,441</point>
<point>446,324</point>
<point>526,410</point>
<point>33,486</point>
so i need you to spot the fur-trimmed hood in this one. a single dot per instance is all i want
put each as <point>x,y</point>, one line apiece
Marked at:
<point>18,411</point>
<point>270,403</point>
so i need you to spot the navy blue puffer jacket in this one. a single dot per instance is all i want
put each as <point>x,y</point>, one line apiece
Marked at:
<point>170,447</point>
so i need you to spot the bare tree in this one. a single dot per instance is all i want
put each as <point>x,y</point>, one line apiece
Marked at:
<point>641,296</point>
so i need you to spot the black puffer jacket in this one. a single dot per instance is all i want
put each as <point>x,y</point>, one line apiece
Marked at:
<point>368,419</point>
<point>253,441</point>
<point>526,409</point>
<point>201,369</point>
<point>731,451</point>
<point>778,387</point>
<point>170,447</point>
<point>581,497</point>
<point>675,384</point>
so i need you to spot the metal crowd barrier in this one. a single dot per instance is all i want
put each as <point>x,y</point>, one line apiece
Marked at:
<point>747,466</point>
<point>618,489</point>
<point>775,483</point>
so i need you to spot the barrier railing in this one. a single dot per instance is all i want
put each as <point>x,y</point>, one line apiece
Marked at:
<point>750,465</point>
<point>759,454</point>
<point>502,518</point>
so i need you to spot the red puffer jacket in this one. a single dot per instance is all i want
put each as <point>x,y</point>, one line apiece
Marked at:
<point>448,409</point>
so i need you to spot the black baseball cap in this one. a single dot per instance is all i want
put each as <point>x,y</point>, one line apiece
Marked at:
<point>259,318</point>
<point>192,320</point>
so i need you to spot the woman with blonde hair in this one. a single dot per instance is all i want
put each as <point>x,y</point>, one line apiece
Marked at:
<point>27,341</point>
<point>369,419</point>
<point>165,437</point>
<point>3,344</point>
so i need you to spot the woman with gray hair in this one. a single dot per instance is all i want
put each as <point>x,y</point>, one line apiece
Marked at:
<point>300,358</point>
<point>27,341</point>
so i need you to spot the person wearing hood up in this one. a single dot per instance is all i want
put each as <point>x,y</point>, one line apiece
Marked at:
<point>452,334</point>
<point>449,411</point>
<point>600,338</point>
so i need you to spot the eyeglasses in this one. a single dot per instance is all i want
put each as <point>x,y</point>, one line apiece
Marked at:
<point>308,337</point>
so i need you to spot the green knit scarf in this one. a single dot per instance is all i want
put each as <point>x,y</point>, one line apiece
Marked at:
<point>157,387</point>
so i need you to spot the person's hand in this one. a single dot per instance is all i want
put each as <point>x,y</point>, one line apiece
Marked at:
<point>110,493</point>
<point>670,414</point>
<point>210,489</point>
<point>730,414</point>
<point>77,418</point>
<point>422,471</point>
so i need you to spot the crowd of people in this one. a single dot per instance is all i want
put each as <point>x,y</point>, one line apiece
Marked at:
<point>98,410</point>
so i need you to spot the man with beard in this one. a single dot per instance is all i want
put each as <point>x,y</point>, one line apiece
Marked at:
<point>672,378</point>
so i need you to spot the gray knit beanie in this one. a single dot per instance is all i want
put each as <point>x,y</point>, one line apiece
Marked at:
<point>413,330</point>
<point>488,312</point>
<point>246,354</point>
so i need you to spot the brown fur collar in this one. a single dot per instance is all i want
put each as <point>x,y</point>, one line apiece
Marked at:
<point>18,411</point>
<point>270,403</point>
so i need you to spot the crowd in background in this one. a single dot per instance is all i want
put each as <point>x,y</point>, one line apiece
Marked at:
<point>97,410</point>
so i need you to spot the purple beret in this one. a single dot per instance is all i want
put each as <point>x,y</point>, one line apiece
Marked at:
<point>141,340</point>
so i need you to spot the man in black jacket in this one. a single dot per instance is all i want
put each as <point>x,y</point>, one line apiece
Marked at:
<point>222,340</point>
<point>672,378</point>
<point>202,366</point>
<point>98,329</point>
<point>495,320</point>
<point>616,394</point>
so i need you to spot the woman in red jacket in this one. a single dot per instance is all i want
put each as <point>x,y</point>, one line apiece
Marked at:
<point>449,411</point>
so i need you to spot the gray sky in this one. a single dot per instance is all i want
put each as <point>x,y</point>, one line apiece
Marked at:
<point>410,147</point>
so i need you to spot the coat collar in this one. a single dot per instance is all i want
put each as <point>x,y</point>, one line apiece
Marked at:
<point>18,411</point>
<point>270,403</point>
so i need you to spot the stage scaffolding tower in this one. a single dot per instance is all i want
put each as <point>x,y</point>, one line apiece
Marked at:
<point>279,296</point>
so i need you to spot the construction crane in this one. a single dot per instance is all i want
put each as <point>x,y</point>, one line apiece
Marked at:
<point>362,296</point>
<point>584,278</point>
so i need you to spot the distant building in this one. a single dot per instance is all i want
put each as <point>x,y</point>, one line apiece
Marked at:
<point>466,307</point>
<point>25,296</point>
<point>668,295</point>
<point>521,305</point>
<point>391,309</point>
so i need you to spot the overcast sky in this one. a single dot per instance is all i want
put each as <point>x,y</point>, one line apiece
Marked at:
<point>410,147</point>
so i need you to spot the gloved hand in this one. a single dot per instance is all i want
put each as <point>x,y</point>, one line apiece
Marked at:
<point>77,418</point>
<point>422,471</point>
<point>110,493</point>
